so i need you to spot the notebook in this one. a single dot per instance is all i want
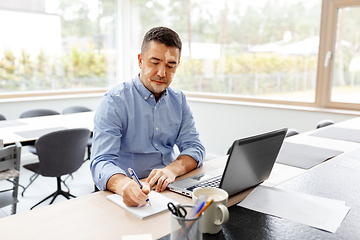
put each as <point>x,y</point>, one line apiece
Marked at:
<point>249,163</point>
<point>158,205</point>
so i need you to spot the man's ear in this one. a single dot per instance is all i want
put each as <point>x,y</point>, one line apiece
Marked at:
<point>140,60</point>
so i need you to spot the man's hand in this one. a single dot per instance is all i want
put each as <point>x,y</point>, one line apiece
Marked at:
<point>129,190</point>
<point>162,177</point>
<point>133,195</point>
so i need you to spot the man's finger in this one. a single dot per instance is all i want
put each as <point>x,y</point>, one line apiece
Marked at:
<point>151,175</point>
<point>164,185</point>
<point>154,179</point>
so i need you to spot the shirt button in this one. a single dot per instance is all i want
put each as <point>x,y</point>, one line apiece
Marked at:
<point>155,144</point>
<point>155,108</point>
<point>157,128</point>
<point>151,95</point>
<point>145,98</point>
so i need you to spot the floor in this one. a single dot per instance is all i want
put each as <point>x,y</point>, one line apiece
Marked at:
<point>80,184</point>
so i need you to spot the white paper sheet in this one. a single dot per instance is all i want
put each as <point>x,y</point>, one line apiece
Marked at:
<point>158,205</point>
<point>322,213</point>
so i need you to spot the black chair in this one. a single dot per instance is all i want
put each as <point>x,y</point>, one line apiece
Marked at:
<point>38,113</point>
<point>77,109</point>
<point>31,145</point>
<point>324,123</point>
<point>291,132</point>
<point>60,153</point>
<point>2,117</point>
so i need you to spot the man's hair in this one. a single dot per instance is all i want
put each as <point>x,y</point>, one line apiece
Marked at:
<point>162,35</point>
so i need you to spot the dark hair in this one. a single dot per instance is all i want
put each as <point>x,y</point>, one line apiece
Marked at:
<point>162,35</point>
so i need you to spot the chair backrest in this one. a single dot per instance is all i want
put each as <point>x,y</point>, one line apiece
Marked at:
<point>62,152</point>
<point>76,109</point>
<point>324,123</point>
<point>2,117</point>
<point>10,157</point>
<point>291,132</point>
<point>38,113</point>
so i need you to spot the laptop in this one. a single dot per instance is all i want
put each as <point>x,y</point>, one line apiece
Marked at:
<point>249,163</point>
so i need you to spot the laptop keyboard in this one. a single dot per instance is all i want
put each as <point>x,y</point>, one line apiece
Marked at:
<point>215,182</point>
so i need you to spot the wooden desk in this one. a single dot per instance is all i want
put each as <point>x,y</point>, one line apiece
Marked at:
<point>94,217</point>
<point>11,130</point>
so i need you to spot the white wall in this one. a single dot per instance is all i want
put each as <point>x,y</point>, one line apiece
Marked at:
<point>218,123</point>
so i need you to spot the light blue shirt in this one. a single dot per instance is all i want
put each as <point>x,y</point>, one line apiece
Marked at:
<point>132,130</point>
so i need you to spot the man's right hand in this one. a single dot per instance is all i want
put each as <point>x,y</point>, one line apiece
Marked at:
<point>133,195</point>
<point>129,190</point>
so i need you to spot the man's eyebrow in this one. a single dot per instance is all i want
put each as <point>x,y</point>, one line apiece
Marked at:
<point>154,58</point>
<point>157,59</point>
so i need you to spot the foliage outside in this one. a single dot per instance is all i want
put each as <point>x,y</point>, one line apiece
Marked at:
<point>75,69</point>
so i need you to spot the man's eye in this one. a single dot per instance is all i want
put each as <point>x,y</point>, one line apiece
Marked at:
<point>171,66</point>
<point>155,63</point>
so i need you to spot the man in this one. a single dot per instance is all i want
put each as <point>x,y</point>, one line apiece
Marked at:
<point>138,123</point>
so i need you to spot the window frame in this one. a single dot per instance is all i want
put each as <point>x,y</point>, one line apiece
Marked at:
<point>323,77</point>
<point>327,43</point>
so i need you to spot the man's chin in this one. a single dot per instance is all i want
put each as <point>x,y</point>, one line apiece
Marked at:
<point>158,89</point>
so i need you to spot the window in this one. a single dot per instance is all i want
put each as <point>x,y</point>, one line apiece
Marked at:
<point>52,45</point>
<point>297,52</point>
<point>257,49</point>
<point>338,79</point>
<point>345,85</point>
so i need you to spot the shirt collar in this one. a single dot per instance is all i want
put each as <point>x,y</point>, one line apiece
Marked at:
<point>144,92</point>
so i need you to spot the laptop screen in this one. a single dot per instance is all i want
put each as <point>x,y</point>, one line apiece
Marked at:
<point>251,160</point>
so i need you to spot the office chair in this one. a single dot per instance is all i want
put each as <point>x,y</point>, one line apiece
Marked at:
<point>324,123</point>
<point>291,132</point>
<point>10,170</point>
<point>60,153</point>
<point>38,113</point>
<point>77,109</point>
<point>31,145</point>
<point>2,117</point>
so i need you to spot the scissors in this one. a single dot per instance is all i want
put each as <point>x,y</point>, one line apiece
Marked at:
<point>177,210</point>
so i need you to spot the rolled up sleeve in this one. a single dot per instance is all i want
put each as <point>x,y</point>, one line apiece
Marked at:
<point>106,143</point>
<point>188,140</point>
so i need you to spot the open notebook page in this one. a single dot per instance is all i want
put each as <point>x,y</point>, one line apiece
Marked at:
<point>158,205</point>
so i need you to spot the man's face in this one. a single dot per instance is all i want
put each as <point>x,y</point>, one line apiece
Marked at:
<point>158,67</point>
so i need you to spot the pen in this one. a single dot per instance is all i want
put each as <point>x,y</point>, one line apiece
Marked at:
<point>204,208</point>
<point>136,179</point>
<point>196,208</point>
<point>189,224</point>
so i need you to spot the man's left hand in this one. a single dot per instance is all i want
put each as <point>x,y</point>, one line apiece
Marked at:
<point>161,177</point>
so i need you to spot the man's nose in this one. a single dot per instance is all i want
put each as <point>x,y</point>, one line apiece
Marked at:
<point>161,71</point>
